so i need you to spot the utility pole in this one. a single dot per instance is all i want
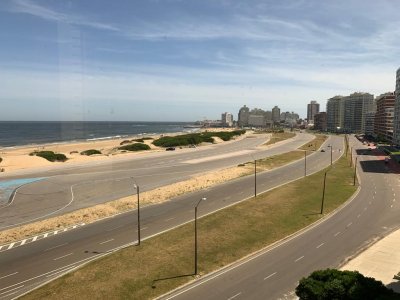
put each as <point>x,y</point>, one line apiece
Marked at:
<point>255,178</point>
<point>323,193</point>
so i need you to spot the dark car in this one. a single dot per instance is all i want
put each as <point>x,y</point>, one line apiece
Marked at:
<point>170,149</point>
<point>322,150</point>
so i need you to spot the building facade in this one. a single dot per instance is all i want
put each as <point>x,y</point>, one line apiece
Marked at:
<point>355,108</point>
<point>369,121</point>
<point>243,116</point>
<point>335,114</point>
<point>312,110</point>
<point>384,116</point>
<point>257,120</point>
<point>227,119</point>
<point>320,121</point>
<point>396,121</point>
<point>276,114</point>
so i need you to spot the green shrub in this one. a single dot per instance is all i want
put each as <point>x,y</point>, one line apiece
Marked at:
<point>1,159</point>
<point>124,142</point>
<point>90,152</point>
<point>135,147</point>
<point>195,138</point>
<point>50,155</point>
<point>147,138</point>
<point>139,140</point>
<point>335,284</point>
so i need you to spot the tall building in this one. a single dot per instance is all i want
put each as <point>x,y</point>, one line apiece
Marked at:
<point>369,121</point>
<point>355,108</point>
<point>276,114</point>
<point>257,120</point>
<point>396,122</point>
<point>312,110</point>
<point>320,121</point>
<point>335,114</point>
<point>383,127</point>
<point>227,119</point>
<point>243,116</point>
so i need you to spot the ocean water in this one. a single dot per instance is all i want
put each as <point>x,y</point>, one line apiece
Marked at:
<point>27,133</point>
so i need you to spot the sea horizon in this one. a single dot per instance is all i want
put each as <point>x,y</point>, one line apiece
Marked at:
<point>21,133</point>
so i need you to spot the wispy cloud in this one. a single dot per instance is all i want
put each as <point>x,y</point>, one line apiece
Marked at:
<point>45,13</point>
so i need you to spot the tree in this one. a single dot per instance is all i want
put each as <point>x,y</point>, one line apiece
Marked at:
<point>333,284</point>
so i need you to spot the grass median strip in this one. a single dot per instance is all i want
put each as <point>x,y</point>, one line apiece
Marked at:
<point>279,136</point>
<point>167,260</point>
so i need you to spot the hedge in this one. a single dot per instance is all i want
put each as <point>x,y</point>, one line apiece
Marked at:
<point>135,147</point>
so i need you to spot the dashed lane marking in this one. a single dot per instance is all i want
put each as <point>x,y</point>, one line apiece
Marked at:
<point>51,248</point>
<point>63,256</point>
<point>234,296</point>
<point>269,276</point>
<point>110,240</point>
<point>9,275</point>
<point>337,233</point>
<point>300,258</point>
<point>358,216</point>
<point>170,219</point>
<point>13,289</point>
<point>12,245</point>
<point>320,245</point>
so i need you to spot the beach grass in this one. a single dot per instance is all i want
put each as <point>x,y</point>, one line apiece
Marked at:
<point>135,147</point>
<point>166,261</point>
<point>90,152</point>
<point>50,155</point>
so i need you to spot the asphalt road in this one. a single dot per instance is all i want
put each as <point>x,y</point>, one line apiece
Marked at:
<point>69,188</point>
<point>274,274</point>
<point>27,266</point>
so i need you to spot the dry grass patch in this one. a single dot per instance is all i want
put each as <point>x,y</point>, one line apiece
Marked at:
<point>279,136</point>
<point>166,261</point>
<point>315,144</point>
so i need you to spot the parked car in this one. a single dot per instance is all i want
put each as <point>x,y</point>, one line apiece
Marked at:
<point>192,146</point>
<point>322,150</point>
<point>170,149</point>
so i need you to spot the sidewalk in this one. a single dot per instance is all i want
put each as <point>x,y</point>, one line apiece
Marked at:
<point>381,261</point>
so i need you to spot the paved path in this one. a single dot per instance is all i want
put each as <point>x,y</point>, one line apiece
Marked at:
<point>380,261</point>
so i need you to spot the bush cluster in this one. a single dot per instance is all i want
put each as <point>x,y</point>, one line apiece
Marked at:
<point>195,138</point>
<point>50,155</point>
<point>135,147</point>
<point>90,152</point>
<point>1,159</point>
<point>335,284</point>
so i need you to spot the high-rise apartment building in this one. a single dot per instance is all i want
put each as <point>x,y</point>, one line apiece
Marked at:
<point>276,114</point>
<point>227,119</point>
<point>355,108</point>
<point>320,122</point>
<point>243,116</point>
<point>383,127</point>
<point>335,114</point>
<point>396,122</point>
<point>369,121</point>
<point>312,110</point>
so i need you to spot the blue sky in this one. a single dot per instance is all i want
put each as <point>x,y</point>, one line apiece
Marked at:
<point>171,60</point>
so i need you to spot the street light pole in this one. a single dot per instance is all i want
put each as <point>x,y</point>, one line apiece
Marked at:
<point>138,211</point>
<point>351,156</point>
<point>255,178</point>
<point>195,234</point>
<point>331,154</point>
<point>355,171</point>
<point>323,193</point>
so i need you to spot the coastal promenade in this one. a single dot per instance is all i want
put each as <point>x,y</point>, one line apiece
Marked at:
<point>26,267</point>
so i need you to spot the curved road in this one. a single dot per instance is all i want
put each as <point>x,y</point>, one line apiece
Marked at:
<point>70,188</point>
<point>25,267</point>
<point>274,273</point>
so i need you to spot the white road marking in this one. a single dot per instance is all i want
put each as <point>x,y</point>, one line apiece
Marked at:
<point>10,246</point>
<point>106,241</point>
<point>61,271</point>
<point>16,288</point>
<point>8,275</point>
<point>269,276</point>
<point>34,238</point>
<point>234,296</point>
<point>111,229</point>
<point>320,245</point>
<point>391,206</point>
<point>337,233</point>
<point>358,216</point>
<point>170,219</point>
<point>301,257</point>
<point>23,242</point>
<point>348,225</point>
<point>63,256</point>
<point>143,228</point>
<point>55,247</point>
<point>45,235</point>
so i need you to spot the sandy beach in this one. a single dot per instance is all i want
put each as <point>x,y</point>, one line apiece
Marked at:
<point>18,158</point>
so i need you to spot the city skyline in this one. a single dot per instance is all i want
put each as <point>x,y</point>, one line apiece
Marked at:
<point>76,61</point>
